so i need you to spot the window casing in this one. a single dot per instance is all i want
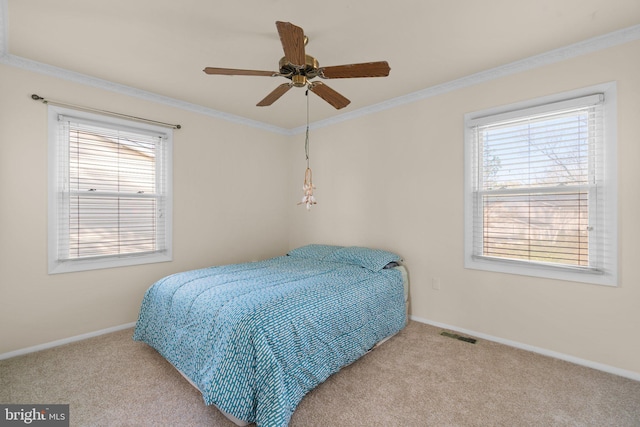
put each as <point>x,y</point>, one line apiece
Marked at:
<point>540,187</point>
<point>109,191</point>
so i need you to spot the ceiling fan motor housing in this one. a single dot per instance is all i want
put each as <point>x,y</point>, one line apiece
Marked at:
<point>300,75</point>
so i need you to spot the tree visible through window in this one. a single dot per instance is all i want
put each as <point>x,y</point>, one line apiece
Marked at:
<point>535,188</point>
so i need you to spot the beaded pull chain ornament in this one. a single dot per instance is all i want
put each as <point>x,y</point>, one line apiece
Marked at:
<point>308,199</point>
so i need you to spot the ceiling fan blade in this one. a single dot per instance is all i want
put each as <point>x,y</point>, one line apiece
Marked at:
<point>236,72</point>
<point>275,95</point>
<point>329,95</point>
<point>292,39</point>
<point>366,69</point>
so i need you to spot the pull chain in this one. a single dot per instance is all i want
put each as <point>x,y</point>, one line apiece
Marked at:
<point>306,141</point>
<point>308,199</point>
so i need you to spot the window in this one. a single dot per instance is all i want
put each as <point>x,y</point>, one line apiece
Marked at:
<point>540,188</point>
<point>109,191</point>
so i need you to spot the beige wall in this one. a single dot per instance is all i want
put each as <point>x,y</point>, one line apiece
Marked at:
<point>391,180</point>
<point>229,206</point>
<point>394,180</point>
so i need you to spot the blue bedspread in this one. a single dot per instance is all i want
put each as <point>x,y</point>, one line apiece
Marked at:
<point>256,337</point>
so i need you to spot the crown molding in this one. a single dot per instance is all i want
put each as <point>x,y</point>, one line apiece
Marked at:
<point>594,44</point>
<point>64,74</point>
<point>61,73</point>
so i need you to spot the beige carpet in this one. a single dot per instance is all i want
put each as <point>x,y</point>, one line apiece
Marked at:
<point>418,378</point>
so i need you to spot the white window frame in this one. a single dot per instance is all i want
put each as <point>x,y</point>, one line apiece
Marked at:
<point>56,263</point>
<point>607,242</point>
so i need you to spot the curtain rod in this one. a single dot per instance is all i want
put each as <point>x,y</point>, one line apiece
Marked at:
<point>140,119</point>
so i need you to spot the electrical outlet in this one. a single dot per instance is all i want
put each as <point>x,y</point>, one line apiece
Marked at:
<point>435,283</point>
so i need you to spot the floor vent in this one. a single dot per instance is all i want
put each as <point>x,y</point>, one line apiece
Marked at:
<point>458,337</point>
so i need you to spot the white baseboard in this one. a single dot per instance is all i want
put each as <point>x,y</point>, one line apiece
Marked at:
<point>578,361</point>
<point>588,363</point>
<point>64,341</point>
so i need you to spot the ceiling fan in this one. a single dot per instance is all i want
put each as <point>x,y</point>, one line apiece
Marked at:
<point>300,68</point>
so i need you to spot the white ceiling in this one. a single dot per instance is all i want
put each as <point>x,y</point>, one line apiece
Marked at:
<point>161,46</point>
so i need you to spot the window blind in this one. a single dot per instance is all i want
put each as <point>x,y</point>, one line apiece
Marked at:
<point>112,190</point>
<point>536,193</point>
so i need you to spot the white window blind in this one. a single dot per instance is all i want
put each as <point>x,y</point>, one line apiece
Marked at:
<point>112,196</point>
<point>538,189</point>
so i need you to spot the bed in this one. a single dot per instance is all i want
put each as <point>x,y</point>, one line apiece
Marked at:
<point>254,338</point>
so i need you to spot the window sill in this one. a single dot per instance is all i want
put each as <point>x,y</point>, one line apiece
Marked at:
<point>590,276</point>
<point>58,267</point>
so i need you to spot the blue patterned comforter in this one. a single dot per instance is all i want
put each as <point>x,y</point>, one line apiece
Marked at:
<point>256,337</point>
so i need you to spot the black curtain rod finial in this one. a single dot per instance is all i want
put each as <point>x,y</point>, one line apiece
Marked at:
<point>36,97</point>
